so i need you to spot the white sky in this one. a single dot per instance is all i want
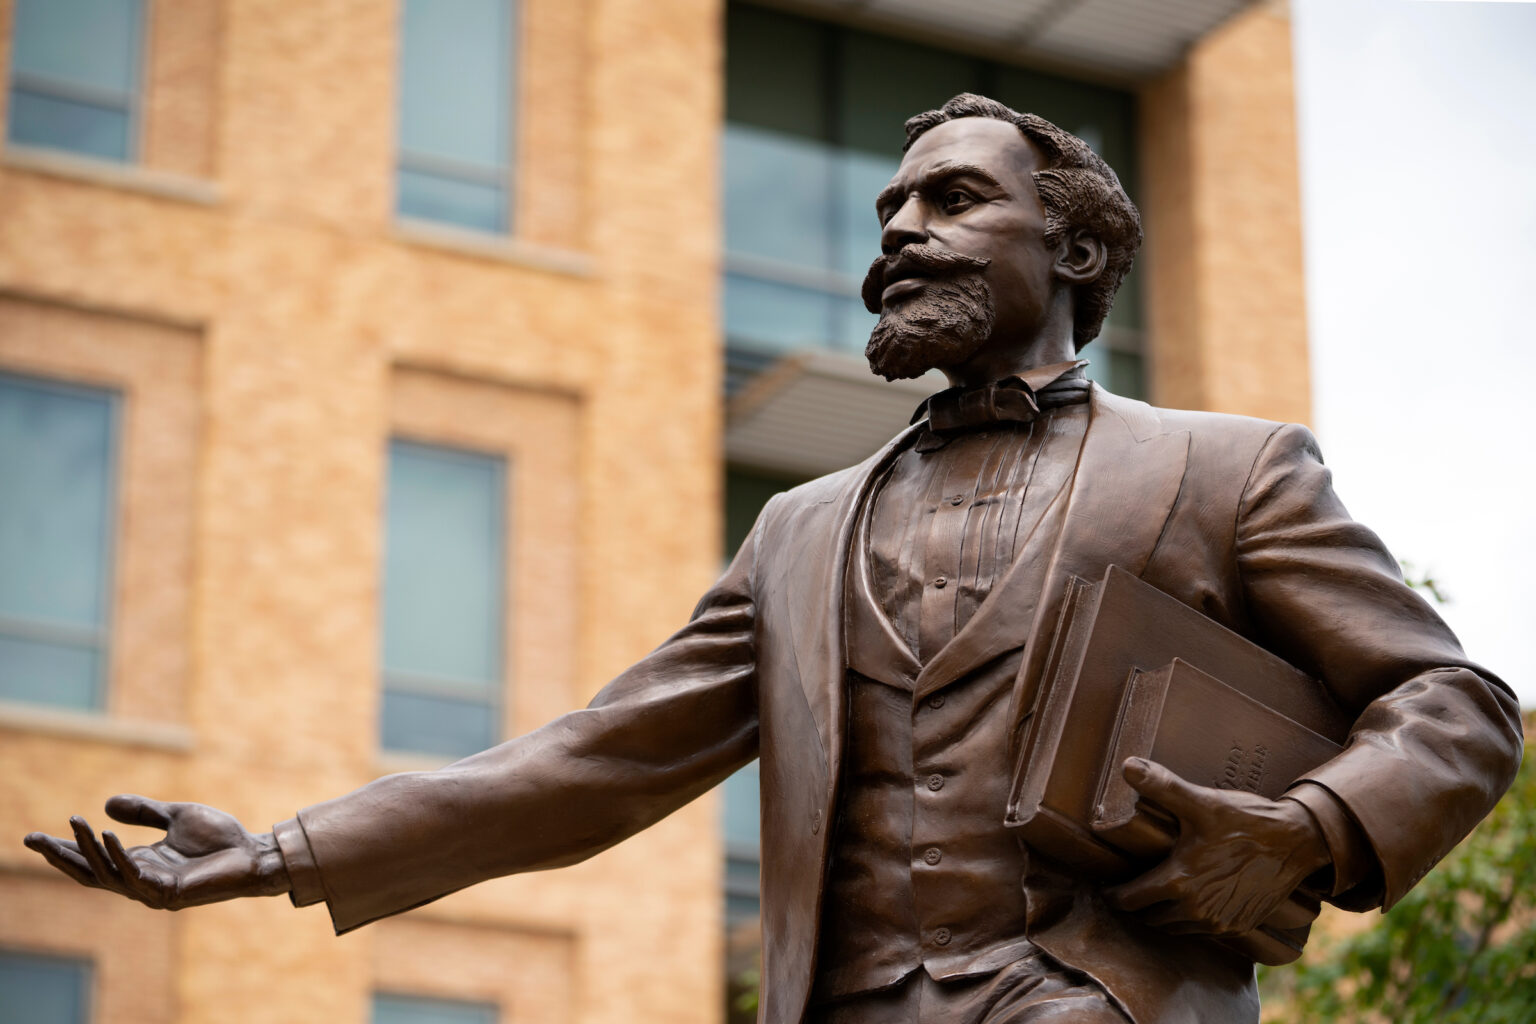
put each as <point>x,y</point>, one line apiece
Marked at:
<point>1418,157</point>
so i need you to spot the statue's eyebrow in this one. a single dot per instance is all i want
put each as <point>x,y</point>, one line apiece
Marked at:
<point>935,175</point>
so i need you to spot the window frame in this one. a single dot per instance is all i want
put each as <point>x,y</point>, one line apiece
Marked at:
<point>48,87</point>
<point>491,693</point>
<point>503,176</point>
<point>58,633</point>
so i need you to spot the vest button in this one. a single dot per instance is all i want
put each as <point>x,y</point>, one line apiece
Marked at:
<point>941,937</point>
<point>816,823</point>
<point>936,701</point>
<point>940,581</point>
<point>932,855</point>
<point>935,782</point>
<point>957,499</point>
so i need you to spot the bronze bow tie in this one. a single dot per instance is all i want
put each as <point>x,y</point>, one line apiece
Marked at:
<point>1010,400</point>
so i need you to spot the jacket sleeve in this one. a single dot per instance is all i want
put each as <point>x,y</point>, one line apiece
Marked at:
<point>656,737</point>
<point>1436,740</point>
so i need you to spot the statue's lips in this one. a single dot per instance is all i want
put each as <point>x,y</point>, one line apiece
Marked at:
<point>900,289</point>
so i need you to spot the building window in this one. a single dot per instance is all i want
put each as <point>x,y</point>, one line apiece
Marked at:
<point>75,76</point>
<point>443,599</point>
<point>57,472</point>
<point>41,989</point>
<point>456,113</point>
<point>393,1009</point>
<point>813,131</point>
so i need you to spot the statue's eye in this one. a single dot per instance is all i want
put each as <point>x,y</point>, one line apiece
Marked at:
<point>957,199</point>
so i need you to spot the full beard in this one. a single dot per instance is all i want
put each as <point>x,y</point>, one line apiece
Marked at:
<point>943,325</point>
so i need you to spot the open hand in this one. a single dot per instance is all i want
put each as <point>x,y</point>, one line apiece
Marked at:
<point>1238,856</point>
<point>206,856</point>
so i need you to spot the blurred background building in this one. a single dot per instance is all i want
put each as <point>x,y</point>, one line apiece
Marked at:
<point>379,377</point>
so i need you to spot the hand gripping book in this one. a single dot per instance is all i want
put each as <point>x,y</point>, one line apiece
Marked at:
<point>1132,671</point>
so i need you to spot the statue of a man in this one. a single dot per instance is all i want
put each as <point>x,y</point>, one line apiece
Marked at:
<point>867,641</point>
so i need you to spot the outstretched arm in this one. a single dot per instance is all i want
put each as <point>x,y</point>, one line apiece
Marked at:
<point>205,857</point>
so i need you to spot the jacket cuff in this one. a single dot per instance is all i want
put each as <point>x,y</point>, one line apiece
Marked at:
<point>303,875</point>
<point>1353,860</point>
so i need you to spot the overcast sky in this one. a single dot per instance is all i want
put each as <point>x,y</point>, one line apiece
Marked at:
<point>1418,155</point>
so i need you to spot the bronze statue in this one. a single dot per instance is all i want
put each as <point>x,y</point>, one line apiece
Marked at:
<point>877,642</point>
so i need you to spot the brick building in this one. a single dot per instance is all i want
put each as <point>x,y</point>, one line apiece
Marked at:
<point>340,434</point>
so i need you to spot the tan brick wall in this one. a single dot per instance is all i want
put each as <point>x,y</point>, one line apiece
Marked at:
<point>308,329</point>
<point>1226,298</point>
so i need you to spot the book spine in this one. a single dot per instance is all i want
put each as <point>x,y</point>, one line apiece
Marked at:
<point>1052,700</point>
<point>1135,731</point>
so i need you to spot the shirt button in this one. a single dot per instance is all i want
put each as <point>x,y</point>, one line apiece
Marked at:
<point>957,499</point>
<point>935,782</point>
<point>932,856</point>
<point>940,581</point>
<point>941,937</point>
<point>936,701</point>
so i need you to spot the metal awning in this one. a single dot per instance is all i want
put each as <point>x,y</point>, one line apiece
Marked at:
<point>1116,40</point>
<point>815,411</point>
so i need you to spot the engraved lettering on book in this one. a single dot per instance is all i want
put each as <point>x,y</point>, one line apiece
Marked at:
<point>1205,731</point>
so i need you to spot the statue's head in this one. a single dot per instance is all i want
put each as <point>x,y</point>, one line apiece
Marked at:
<point>998,228</point>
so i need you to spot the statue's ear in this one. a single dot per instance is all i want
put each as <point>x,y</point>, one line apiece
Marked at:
<point>1080,258</point>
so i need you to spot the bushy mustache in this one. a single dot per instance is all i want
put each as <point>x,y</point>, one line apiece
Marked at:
<point>915,260</point>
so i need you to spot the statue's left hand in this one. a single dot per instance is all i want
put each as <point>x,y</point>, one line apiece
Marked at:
<point>1238,856</point>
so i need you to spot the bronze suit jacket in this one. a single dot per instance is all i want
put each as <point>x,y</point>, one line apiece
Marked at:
<point>1233,516</point>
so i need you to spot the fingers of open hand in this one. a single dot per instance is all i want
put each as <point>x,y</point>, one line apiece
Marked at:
<point>64,855</point>
<point>135,882</point>
<point>93,853</point>
<point>131,809</point>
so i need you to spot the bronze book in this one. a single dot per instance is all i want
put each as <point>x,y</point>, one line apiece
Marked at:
<point>1109,632</point>
<point>1207,733</point>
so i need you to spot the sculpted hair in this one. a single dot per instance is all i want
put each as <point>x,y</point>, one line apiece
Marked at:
<point>1077,189</point>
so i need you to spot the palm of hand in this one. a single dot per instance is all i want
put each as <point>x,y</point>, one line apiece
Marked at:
<point>203,851</point>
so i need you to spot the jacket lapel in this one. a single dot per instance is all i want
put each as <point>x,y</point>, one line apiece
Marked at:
<point>1127,480</point>
<point>819,535</point>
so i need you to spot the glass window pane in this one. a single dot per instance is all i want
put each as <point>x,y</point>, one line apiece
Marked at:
<point>93,43</point>
<point>777,73</point>
<point>65,675</point>
<point>455,92</point>
<point>39,120</point>
<point>852,325</point>
<point>437,725</point>
<point>885,81</point>
<point>56,456</point>
<point>468,204</point>
<point>860,177</point>
<point>778,196</point>
<point>391,1009</point>
<point>443,563</point>
<point>38,989</point>
<point>742,823</point>
<point>763,314</point>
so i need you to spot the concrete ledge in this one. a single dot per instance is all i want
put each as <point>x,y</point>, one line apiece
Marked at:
<point>88,725</point>
<point>493,247</point>
<point>131,177</point>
